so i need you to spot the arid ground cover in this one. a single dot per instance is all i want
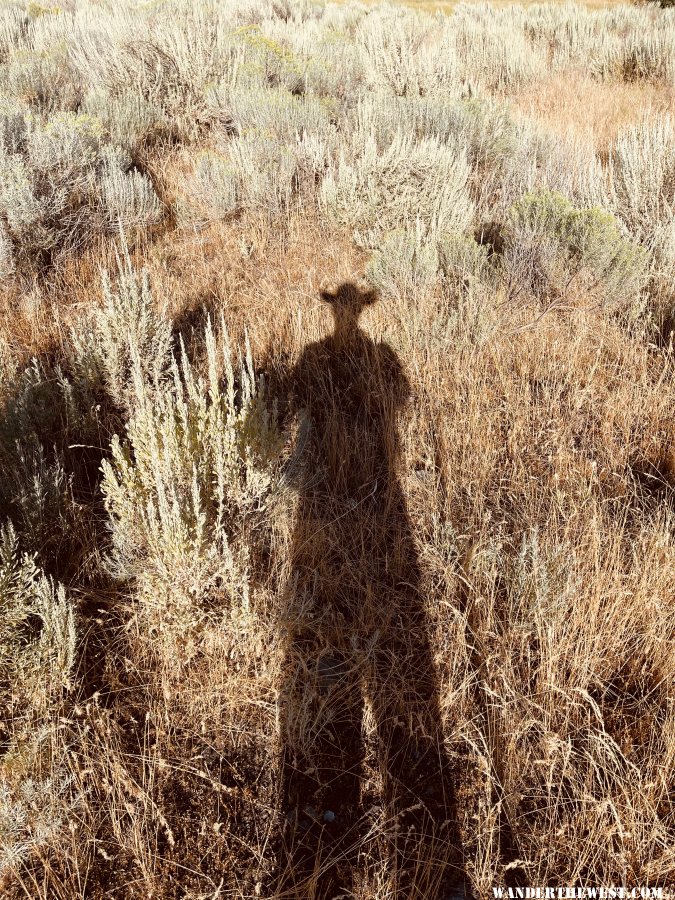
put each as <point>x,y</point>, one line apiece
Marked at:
<point>337,449</point>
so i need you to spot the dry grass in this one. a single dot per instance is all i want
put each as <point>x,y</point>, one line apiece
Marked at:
<point>594,112</point>
<point>492,648</point>
<point>548,431</point>
<point>447,6</point>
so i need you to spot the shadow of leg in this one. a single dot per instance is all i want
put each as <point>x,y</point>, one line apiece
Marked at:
<point>321,771</point>
<point>418,785</point>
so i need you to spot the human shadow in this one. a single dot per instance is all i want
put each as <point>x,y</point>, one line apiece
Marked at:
<point>363,762</point>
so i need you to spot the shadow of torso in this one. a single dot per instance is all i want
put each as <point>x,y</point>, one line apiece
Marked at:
<point>352,529</point>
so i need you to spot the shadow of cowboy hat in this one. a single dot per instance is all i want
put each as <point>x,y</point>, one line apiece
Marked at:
<point>349,296</point>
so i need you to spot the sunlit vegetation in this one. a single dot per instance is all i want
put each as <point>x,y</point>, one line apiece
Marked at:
<point>179,182</point>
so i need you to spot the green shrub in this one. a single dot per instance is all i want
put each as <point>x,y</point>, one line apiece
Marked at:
<point>551,245</point>
<point>273,63</point>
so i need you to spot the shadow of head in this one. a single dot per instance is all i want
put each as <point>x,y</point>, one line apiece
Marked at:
<point>347,303</point>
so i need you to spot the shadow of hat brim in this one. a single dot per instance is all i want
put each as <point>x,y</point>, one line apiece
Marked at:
<point>349,296</point>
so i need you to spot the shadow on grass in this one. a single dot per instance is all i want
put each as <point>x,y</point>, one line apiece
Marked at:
<point>364,772</point>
